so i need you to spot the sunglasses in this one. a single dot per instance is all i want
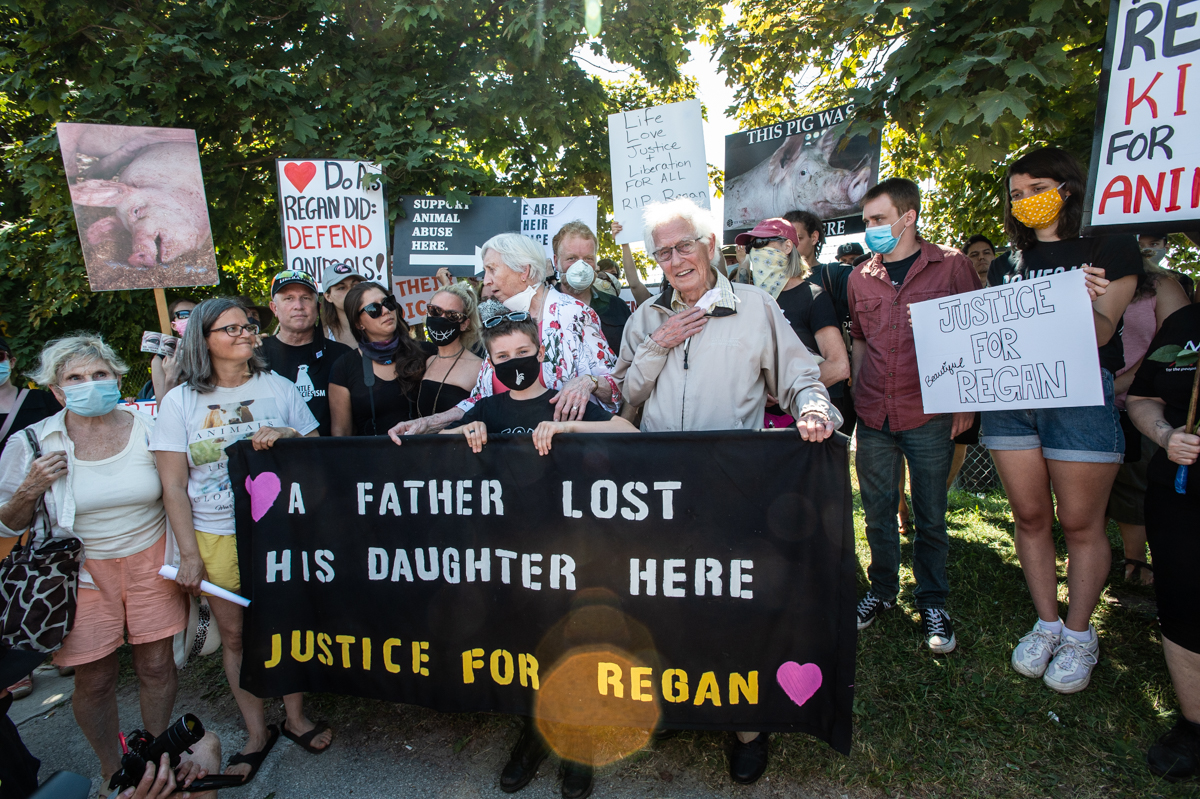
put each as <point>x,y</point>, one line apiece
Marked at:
<point>376,309</point>
<point>495,321</point>
<point>458,317</point>
<point>181,314</point>
<point>760,242</point>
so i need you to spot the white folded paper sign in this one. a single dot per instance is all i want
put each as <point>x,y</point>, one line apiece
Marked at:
<point>170,572</point>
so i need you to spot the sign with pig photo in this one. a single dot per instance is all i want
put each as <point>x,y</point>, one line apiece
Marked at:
<point>333,212</point>
<point>801,164</point>
<point>139,202</point>
<point>1145,170</point>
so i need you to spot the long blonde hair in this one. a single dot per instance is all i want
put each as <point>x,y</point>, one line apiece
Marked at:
<point>470,303</point>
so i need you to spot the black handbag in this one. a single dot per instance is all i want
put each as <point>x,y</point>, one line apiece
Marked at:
<point>38,581</point>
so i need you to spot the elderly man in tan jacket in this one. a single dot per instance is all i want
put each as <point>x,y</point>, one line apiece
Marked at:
<point>705,354</point>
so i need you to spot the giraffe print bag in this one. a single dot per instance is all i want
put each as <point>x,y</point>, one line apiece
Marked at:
<point>38,584</point>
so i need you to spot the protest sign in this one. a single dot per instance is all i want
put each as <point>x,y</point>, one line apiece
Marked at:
<point>1145,168</point>
<point>333,212</point>
<point>413,293</point>
<point>656,154</point>
<point>1004,348</point>
<point>611,582</point>
<point>800,164</point>
<point>542,217</point>
<point>435,233</point>
<point>139,203</point>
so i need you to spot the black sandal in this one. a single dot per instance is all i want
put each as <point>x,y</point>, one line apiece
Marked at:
<point>255,759</point>
<point>305,741</point>
<point>1139,566</point>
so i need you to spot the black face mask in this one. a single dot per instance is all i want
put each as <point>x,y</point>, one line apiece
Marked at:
<point>518,373</point>
<point>441,331</point>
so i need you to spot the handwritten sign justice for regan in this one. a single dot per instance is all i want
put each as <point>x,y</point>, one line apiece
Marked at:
<point>1003,348</point>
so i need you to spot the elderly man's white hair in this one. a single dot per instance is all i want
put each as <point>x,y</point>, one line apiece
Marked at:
<point>78,348</point>
<point>518,252</point>
<point>658,214</point>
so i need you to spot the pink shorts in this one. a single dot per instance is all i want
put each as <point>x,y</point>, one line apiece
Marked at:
<point>131,597</point>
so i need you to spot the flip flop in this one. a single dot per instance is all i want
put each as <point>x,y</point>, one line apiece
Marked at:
<point>1139,566</point>
<point>305,741</point>
<point>255,759</point>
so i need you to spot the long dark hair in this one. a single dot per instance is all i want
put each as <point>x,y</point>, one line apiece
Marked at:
<point>1061,167</point>
<point>408,357</point>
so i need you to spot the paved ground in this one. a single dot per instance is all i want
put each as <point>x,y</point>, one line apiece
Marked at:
<point>392,751</point>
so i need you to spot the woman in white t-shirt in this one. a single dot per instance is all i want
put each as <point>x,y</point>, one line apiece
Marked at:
<point>97,478</point>
<point>226,394</point>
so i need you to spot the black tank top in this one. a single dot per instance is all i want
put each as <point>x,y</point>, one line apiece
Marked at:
<point>449,396</point>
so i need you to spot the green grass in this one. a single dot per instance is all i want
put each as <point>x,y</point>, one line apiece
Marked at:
<point>959,725</point>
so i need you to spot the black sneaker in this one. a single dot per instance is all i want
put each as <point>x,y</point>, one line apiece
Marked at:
<point>939,630</point>
<point>869,608</point>
<point>1176,755</point>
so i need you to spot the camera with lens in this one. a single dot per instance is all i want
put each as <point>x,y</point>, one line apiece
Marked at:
<point>144,748</point>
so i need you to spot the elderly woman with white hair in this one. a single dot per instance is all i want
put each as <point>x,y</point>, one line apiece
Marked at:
<point>89,470</point>
<point>578,361</point>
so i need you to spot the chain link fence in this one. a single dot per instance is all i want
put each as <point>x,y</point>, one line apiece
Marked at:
<point>978,474</point>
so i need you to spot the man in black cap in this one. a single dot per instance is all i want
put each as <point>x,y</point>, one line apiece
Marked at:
<point>849,253</point>
<point>299,351</point>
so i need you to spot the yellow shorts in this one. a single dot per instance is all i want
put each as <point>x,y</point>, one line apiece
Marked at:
<point>219,553</point>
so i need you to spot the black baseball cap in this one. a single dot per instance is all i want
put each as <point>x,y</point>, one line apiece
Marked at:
<point>850,248</point>
<point>4,345</point>
<point>289,277</point>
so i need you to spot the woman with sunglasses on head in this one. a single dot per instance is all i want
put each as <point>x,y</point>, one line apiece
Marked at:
<point>1062,461</point>
<point>226,394</point>
<point>452,324</point>
<point>376,386</point>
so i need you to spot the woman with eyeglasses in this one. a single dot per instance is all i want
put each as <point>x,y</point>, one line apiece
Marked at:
<point>226,394</point>
<point>578,362</point>
<point>375,386</point>
<point>452,324</point>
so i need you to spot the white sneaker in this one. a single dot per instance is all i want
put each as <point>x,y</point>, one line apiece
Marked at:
<point>1033,653</point>
<point>1071,669</point>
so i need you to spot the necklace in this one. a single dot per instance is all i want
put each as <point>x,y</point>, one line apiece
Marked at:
<point>442,384</point>
<point>455,356</point>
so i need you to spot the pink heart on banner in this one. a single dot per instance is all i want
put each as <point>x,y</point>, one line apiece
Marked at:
<point>799,682</point>
<point>263,491</point>
<point>300,174</point>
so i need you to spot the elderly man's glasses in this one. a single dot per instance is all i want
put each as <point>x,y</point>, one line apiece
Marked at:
<point>233,331</point>
<point>376,309</point>
<point>685,247</point>
<point>458,317</point>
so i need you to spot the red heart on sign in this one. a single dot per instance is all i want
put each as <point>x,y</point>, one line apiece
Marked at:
<point>300,174</point>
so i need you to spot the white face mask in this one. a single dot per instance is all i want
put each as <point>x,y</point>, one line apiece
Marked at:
<point>519,303</point>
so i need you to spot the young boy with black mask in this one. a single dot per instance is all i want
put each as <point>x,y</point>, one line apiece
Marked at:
<point>512,344</point>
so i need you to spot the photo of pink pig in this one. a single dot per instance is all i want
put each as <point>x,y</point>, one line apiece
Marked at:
<point>139,202</point>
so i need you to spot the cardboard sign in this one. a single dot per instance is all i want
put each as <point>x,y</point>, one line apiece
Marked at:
<point>656,154</point>
<point>1004,348</point>
<point>333,212</point>
<point>1145,168</point>
<point>413,293</point>
<point>140,207</point>
<point>543,217</point>
<point>799,164</point>
<point>435,233</point>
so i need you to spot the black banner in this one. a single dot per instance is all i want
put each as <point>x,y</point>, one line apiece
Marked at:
<point>695,580</point>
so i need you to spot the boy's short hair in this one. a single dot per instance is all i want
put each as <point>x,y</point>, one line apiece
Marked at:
<point>491,310</point>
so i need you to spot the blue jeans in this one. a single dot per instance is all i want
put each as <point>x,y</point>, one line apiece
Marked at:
<point>929,451</point>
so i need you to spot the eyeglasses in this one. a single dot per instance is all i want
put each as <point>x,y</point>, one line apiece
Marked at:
<point>181,314</point>
<point>685,247</point>
<point>495,321</point>
<point>458,317</point>
<point>233,331</point>
<point>376,309</point>
<point>756,243</point>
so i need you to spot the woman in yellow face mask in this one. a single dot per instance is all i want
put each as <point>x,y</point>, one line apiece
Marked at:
<point>1077,450</point>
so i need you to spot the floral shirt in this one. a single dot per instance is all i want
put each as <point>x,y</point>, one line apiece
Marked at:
<point>574,346</point>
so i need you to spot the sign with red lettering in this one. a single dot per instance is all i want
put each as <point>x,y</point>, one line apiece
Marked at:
<point>1145,170</point>
<point>333,212</point>
<point>413,293</point>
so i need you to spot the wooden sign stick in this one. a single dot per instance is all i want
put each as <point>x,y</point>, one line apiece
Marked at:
<point>164,319</point>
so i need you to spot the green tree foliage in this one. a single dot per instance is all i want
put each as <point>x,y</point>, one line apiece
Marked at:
<point>960,86</point>
<point>451,97</point>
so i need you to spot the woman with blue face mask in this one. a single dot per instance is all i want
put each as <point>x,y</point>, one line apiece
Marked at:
<point>93,477</point>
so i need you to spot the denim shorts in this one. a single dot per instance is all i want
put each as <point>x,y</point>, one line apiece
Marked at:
<point>1085,435</point>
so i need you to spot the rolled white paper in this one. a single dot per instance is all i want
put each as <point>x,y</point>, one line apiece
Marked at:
<point>170,572</point>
